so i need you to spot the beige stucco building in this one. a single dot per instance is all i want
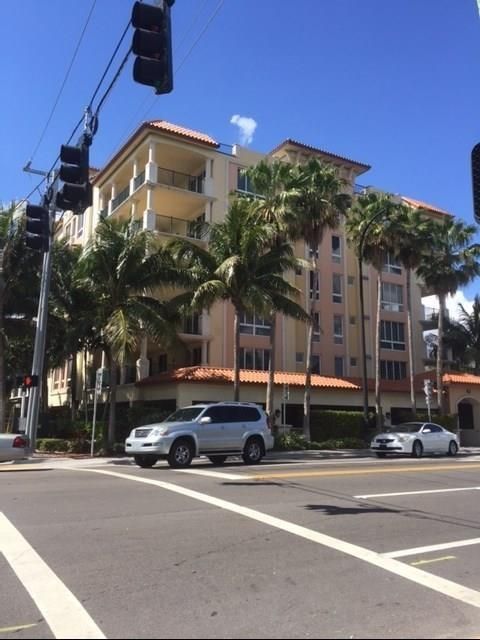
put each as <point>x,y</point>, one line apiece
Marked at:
<point>170,178</point>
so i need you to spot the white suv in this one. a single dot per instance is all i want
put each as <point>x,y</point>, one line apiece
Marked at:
<point>215,430</point>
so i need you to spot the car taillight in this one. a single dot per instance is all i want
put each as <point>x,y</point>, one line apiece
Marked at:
<point>19,443</point>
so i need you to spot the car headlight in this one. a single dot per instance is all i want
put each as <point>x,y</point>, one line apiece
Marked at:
<point>403,438</point>
<point>160,431</point>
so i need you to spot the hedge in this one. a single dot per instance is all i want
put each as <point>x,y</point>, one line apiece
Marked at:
<point>335,425</point>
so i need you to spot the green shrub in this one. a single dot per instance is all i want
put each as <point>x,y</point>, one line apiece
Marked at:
<point>341,443</point>
<point>51,445</point>
<point>291,441</point>
<point>329,424</point>
<point>119,447</point>
<point>449,422</point>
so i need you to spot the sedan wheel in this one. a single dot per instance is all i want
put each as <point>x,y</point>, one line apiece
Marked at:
<point>181,454</point>
<point>452,448</point>
<point>253,452</point>
<point>417,449</point>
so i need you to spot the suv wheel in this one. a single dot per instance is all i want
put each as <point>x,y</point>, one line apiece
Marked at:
<point>253,451</point>
<point>217,459</point>
<point>145,461</point>
<point>181,454</point>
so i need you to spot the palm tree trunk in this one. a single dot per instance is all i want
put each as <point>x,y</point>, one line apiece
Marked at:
<point>113,403</point>
<point>271,369</point>
<point>236,356</point>
<point>308,360</point>
<point>411,347</point>
<point>441,315</point>
<point>378,400</point>
<point>73,388</point>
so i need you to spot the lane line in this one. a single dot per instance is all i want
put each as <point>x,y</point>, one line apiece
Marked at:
<point>18,627</point>
<point>420,562</point>
<point>432,547</point>
<point>214,474</point>
<point>418,576</point>
<point>355,472</point>
<point>61,610</point>
<point>415,493</point>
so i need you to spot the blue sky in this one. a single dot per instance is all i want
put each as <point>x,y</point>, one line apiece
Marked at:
<point>393,84</point>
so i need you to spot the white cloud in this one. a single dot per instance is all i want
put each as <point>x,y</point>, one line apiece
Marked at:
<point>246,126</point>
<point>452,304</point>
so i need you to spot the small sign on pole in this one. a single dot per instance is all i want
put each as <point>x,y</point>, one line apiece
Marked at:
<point>428,389</point>
<point>98,391</point>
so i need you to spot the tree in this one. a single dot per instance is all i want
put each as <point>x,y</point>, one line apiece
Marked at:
<point>462,336</point>
<point>125,270</point>
<point>274,182</point>
<point>451,262</point>
<point>371,221</point>
<point>412,239</point>
<point>317,204</point>
<point>240,265</point>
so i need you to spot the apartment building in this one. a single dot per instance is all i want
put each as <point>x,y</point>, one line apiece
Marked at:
<point>170,178</point>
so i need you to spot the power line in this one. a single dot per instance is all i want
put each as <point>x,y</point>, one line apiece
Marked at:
<point>64,80</point>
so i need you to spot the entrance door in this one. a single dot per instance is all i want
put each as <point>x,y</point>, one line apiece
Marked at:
<point>465,415</point>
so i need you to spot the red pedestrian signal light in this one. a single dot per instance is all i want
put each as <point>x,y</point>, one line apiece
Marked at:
<point>30,381</point>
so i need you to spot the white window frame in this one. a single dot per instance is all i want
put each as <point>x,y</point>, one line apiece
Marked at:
<point>336,360</point>
<point>337,324</point>
<point>393,369</point>
<point>392,296</point>
<point>392,264</point>
<point>310,282</point>
<point>391,334</point>
<point>337,292</point>
<point>254,325</point>
<point>337,253</point>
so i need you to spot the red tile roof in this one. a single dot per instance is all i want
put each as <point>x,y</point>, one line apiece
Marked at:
<point>460,378</point>
<point>176,129</point>
<point>302,145</point>
<point>247,376</point>
<point>423,205</point>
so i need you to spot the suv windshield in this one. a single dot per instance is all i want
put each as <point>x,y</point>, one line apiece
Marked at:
<point>189,414</point>
<point>407,427</point>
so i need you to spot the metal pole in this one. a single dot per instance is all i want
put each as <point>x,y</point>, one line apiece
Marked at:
<point>41,332</point>
<point>93,422</point>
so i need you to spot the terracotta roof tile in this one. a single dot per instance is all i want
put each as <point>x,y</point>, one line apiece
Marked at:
<point>424,205</point>
<point>460,378</point>
<point>219,374</point>
<point>302,145</point>
<point>183,132</point>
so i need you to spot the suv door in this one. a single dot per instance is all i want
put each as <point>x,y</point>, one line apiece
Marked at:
<point>211,436</point>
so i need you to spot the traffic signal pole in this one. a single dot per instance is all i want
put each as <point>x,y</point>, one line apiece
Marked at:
<point>41,331</point>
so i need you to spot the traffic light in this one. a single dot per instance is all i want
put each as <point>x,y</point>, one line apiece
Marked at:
<point>76,192</point>
<point>37,227</point>
<point>30,381</point>
<point>476,181</point>
<point>152,43</point>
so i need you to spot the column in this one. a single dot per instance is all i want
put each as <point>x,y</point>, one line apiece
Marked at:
<point>149,213</point>
<point>208,182</point>
<point>113,194</point>
<point>134,175</point>
<point>151,167</point>
<point>143,364</point>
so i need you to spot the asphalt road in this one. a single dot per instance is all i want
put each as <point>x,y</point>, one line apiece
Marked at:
<point>321,549</point>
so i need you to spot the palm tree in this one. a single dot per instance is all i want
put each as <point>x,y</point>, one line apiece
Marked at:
<point>451,262</point>
<point>273,180</point>
<point>370,223</point>
<point>316,205</point>
<point>462,336</point>
<point>242,266</point>
<point>413,233</point>
<point>124,269</point>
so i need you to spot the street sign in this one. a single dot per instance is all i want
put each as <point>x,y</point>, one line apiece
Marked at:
<point>98,382</point>
<point>286,392</point>
<point>428,390</point>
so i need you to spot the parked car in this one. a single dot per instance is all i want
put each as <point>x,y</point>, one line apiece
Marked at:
<point>216,430</point>
<point>415,438</point>
<point>13,446</point>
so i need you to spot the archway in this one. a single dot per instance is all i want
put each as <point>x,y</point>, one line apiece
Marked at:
<point>468,411</point>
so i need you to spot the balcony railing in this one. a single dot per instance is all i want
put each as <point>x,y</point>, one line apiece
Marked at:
<point>180,227</point>
<point>192,325</point>
<point>122,196</point>
<point>139,180</point>
<point>103,213</point>
<point>431,313</point>
<point>180,180</point>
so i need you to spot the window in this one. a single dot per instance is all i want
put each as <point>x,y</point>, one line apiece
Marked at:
<point>316,327</point>
<point>229,413</point>
<point>311,252</point>
<point>393,370</point>
<point>338,329</point>
<point>392,296</point>
<point>254,325</point>
<point>244,182</point>
<point>353,362</point>
<point>351,279</point>
<point>258,359</point>
<point>196,228</point>
<point>392,264</point>
<point>353,320</point>
<point>192,325</point>
<point>298,271</point>
<point>336,249</point>
<point>196,357</point>
<point>162,363</point>
<point>317,292</point>
<point>217,414</point>
<point>299,357</point>
<point>337,287</point>
<point>315,364</point>
<point>338,366</point>
<point>80,224</point>
<point>392,335</point>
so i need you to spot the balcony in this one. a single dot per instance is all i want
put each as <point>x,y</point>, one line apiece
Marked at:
<point>195,229</point>
<point>122,196</point>
<point>195,184</point>
<point>139,180</point>
<point>430,320</point>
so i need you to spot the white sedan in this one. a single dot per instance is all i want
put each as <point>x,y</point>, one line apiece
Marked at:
<point>13,446</point>
<point>415,438</point>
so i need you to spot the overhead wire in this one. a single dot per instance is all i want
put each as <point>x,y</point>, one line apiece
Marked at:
<point>62,86</point>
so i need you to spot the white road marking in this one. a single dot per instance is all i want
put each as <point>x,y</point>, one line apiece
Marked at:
<point>60,608</point>
<point>415,493</point>
<point>214,474</point>
<point>436,583</point>
<point>433,547</point>
<point>418,563</point>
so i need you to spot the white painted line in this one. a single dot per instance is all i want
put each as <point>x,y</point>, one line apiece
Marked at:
<point>214,474</point>
<point>415,493</point>
<point>436,583</point>
<point>59,607</point>
<point>433,547</point>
